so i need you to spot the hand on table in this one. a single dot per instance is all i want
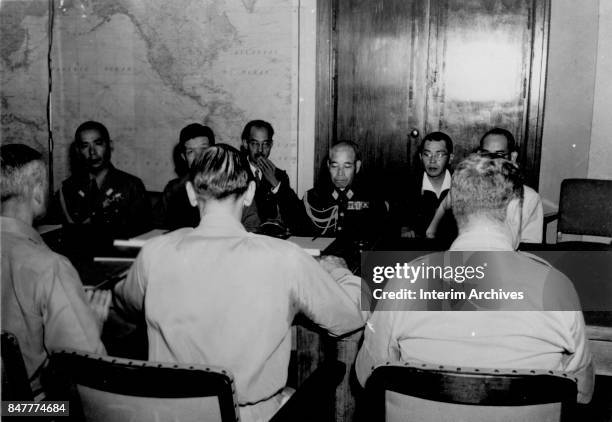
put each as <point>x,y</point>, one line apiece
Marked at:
<point>268,170</point>
<point>99,301</point>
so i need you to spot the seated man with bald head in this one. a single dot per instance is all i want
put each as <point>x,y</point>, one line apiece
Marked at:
<point>342,205</point>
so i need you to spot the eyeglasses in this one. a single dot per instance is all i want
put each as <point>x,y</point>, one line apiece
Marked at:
<point>435,155</point>
<point>253,143</point>
<point>494,154</point>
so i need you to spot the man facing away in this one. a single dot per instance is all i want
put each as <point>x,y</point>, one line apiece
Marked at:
<point>417,208</point>
<point>500,142</point>
<point>275,201</point>
<point>219,295</point>
<point>99,196</point>
<point>43,301</point>
<point>529,338</point>
<point>342,206</point>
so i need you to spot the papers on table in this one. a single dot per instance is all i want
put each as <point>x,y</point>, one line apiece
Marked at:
<point>138,241</point>
<point>312,246</point>
<point>48,228</point>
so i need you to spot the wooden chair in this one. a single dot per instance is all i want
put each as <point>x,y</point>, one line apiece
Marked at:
<point>585,208</point>
<point>102,388</point>
<point>404,392</point>
<point>15,381</point>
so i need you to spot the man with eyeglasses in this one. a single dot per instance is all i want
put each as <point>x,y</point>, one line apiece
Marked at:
<point>416,210</point>
<point>528,223</point>
<point>277,204</point>
<point>501,142</point>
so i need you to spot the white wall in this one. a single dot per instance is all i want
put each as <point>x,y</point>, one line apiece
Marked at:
<point>600,157</point>
<point>570,89</point>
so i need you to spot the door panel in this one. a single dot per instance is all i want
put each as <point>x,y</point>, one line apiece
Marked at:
<point>479,69</point>
<point>381,79</point>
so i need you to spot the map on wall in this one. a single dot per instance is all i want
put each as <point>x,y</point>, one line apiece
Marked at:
<point>146,69</point>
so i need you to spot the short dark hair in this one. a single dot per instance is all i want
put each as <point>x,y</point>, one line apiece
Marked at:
<point>195,130</point>
<point>219,172</point>
<point>437,137</point>
<point>18,175</point>
<point>502,132</point>
<point>92,125</point>
<point>484,184</point>
<point>346,143</point>
<point>246,132</point>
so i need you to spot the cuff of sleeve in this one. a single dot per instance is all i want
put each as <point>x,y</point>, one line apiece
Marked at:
<point>276,188</point>
<point>339,273</point>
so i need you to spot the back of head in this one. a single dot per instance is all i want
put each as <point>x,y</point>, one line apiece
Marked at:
<point>482,186</point>
<point>195,130</point>
<point>437,137</point>
<point>22,169</point>
<point>219,172</point>
<point>511,143</point>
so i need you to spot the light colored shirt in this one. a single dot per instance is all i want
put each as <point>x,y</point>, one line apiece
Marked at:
<point>532,221</point>
<point>427,185</point>
<point>219,295</point>
<point>552,340</point>
<point>43,301</point>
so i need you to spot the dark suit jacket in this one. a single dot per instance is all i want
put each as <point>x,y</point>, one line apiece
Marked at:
<point>284,206</point>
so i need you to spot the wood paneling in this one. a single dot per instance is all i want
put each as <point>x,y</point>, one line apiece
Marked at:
<point>381,48</point>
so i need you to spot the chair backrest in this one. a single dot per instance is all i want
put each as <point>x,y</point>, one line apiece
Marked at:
<point>438,393</point>
<point>15,382</point>
<point>585,207</point>
<point>102,389</point>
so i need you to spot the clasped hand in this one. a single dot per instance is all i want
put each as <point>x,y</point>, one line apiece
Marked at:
<point>268,170</point>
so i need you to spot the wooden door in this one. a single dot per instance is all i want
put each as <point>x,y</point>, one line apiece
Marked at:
<point>452,65</point>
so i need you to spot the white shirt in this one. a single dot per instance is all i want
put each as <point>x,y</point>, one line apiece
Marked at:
<point>532,222</point>
<point>219,295</point>
<point>427,185</point>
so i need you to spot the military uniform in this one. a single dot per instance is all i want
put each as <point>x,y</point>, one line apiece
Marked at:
<point>119,207</point>
<point>354,213</point>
